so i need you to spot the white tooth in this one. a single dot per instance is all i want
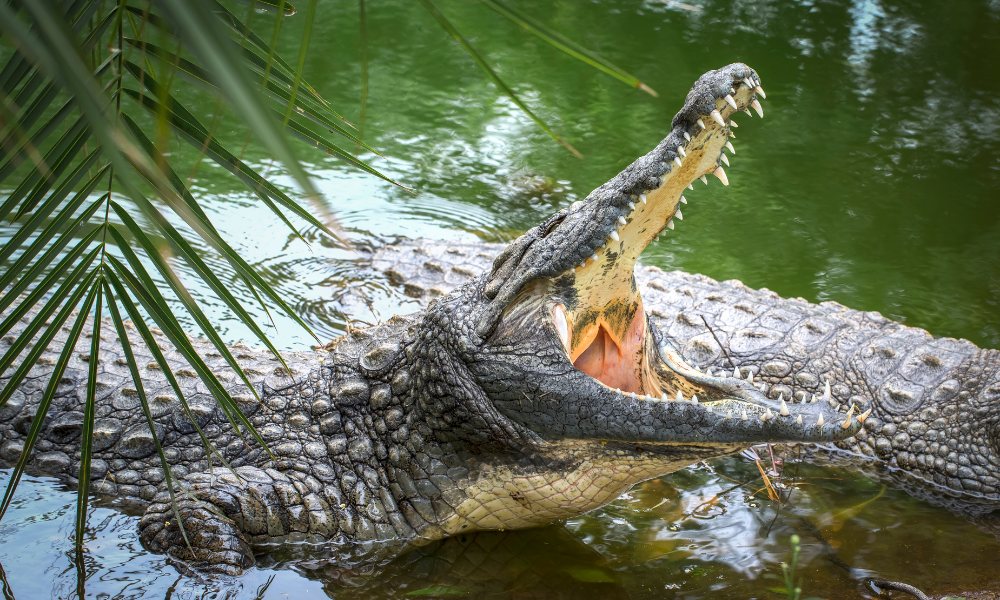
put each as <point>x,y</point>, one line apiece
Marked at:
<point>762,386</point>
<point>643,198</point>
<point>732,102</point>
<point>670,224</point>
<point>677,161</point>
<point>760,92</point>
<point>701,123</point>
<point>678,215</point>
<point>595,257</point>
<point>732,123</point>
<point>736,373</point>
<point>725,159</point>
<point>749,376</point>
<point>814,399</point>
<point>622,220</point>
<point>748,82</point>
<point>631,205</point>
<point>694,398</point>
<point>747,111</point>
<point>704,179</point>
<point>729,146</point>
<point>755,105</point>
<point>680,396</point>
<point>664,397</point>
<point>717,117</point>
<point>744,416</point>
<point>721,174</point>
<point>690,187</point>
<point>798,420</point>
<point>681,151</point>
<point>827,395</point>
<point>687,136</point>
<point>684,200</point>
<point>769,413</point>
<point>784,407</point>
<point>562,325</point>
<point>614,235</point>
<point>819,421</point>
<point>732,90</point>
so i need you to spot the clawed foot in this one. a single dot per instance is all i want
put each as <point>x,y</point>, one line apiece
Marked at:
<point>214,542</point>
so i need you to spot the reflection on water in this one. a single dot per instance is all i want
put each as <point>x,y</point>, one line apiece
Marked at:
<point>706,532</point>
<point>872,181</point>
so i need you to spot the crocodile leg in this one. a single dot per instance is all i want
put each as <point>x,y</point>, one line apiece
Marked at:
<point>224,513</point>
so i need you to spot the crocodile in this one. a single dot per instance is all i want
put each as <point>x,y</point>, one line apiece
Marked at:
<point>533,393</point>
<point>934,430</point>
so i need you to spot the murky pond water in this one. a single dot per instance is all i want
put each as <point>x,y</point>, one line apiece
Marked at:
<point>872,181</point>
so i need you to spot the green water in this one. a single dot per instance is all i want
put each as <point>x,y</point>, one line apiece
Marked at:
<point>872,181</point>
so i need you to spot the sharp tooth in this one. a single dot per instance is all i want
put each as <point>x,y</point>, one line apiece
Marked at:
<point>847,421</point>
<point>701,123</point>
<point>717,117</point>
<point>760,92</point>
<point>864,415</point>
<point>784,407</point>
<point>704,179</point>
<point>744,416</point>
<point>721,174</point>
<point>594,257</point>
<point>724,159</point>
<point>631,205</point>
<point>622,220</point>
<point>749,376</point>
<point>729,146</point>
<point>664,397</point>
<point>814,399</point>
<point>798,420</point>
<point>694,398</point>
<point>708,372</point>
<point>755,105</point>
<point>747,111</point>
<point>736,373</point>
<point>681,151</point>
<point>769,414</point>
<point>690,187</point>
<point>680,396</point>
<point>687,136</point>
<point>732,90</point>
<point>732,123</point>
<point>677,161</point>
<point>614,235</point>
<point>678,215</point>
<point>732,102</point>
<point>748,82</point>
<point>670,224</point>
<point>765,416</point>
<point>828,396</point>
<point>684,200</point>
<point>819,421</point>
<point>643,198</point>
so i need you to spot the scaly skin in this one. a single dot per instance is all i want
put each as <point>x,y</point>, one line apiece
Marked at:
<point>534,393</point>
<point>935,426</point>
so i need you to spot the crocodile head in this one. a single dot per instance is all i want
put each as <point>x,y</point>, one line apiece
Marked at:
<point>563,351</point>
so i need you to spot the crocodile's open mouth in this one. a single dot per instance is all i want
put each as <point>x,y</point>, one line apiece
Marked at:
<point>601,322</point>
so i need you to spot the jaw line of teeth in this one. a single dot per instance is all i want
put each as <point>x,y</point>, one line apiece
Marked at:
<point>678,161</point>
